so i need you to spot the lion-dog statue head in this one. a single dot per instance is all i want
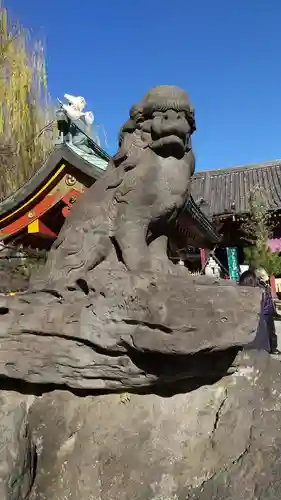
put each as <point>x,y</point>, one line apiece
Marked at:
<point>162,121</point>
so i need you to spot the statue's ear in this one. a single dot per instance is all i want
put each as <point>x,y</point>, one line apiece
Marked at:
<point>125,143</point>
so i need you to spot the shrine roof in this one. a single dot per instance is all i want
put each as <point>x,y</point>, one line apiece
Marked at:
<point>59,154</point>
<point>226,191</point>
<point>93,165</point>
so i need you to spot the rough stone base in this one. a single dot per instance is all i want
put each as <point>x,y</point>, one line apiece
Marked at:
<point>218,442</point>
<point>17,451</point>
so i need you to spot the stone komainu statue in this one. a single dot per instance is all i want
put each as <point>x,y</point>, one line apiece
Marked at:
<point>146,184</point>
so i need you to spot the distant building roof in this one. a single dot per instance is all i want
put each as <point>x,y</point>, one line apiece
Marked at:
<point>226,191</point>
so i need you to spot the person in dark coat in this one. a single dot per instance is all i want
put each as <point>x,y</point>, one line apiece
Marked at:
<point>265,337</point>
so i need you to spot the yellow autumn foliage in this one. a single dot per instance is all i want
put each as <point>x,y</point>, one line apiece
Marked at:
<point>25,106</point>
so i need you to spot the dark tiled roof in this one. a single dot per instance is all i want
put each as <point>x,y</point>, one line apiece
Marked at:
<point>225,191</point>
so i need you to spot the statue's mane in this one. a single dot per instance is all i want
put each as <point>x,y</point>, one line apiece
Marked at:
<point>132,141</point>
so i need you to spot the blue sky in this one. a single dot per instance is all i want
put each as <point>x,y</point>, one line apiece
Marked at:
<point>226,54</point>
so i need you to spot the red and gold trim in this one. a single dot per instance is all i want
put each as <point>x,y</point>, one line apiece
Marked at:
<point>61,190</point>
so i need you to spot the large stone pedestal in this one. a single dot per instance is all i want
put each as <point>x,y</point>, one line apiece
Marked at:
<point>130,331</point>
<point>217,442</point>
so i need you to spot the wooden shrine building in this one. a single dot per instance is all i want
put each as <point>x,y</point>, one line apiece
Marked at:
<point>33,215</point>
<point>223,196</point>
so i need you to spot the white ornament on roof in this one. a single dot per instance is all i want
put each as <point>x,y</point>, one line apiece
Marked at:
<point>74,109</point>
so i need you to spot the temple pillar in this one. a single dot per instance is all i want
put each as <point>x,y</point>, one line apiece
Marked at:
<point>203,257</point>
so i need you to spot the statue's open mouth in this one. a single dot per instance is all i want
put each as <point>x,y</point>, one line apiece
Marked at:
<point>170,145</point>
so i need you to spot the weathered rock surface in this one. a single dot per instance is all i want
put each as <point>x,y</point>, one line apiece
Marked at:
<point>132,330</point>
<point>217,442</point>
<point>17,451</point>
